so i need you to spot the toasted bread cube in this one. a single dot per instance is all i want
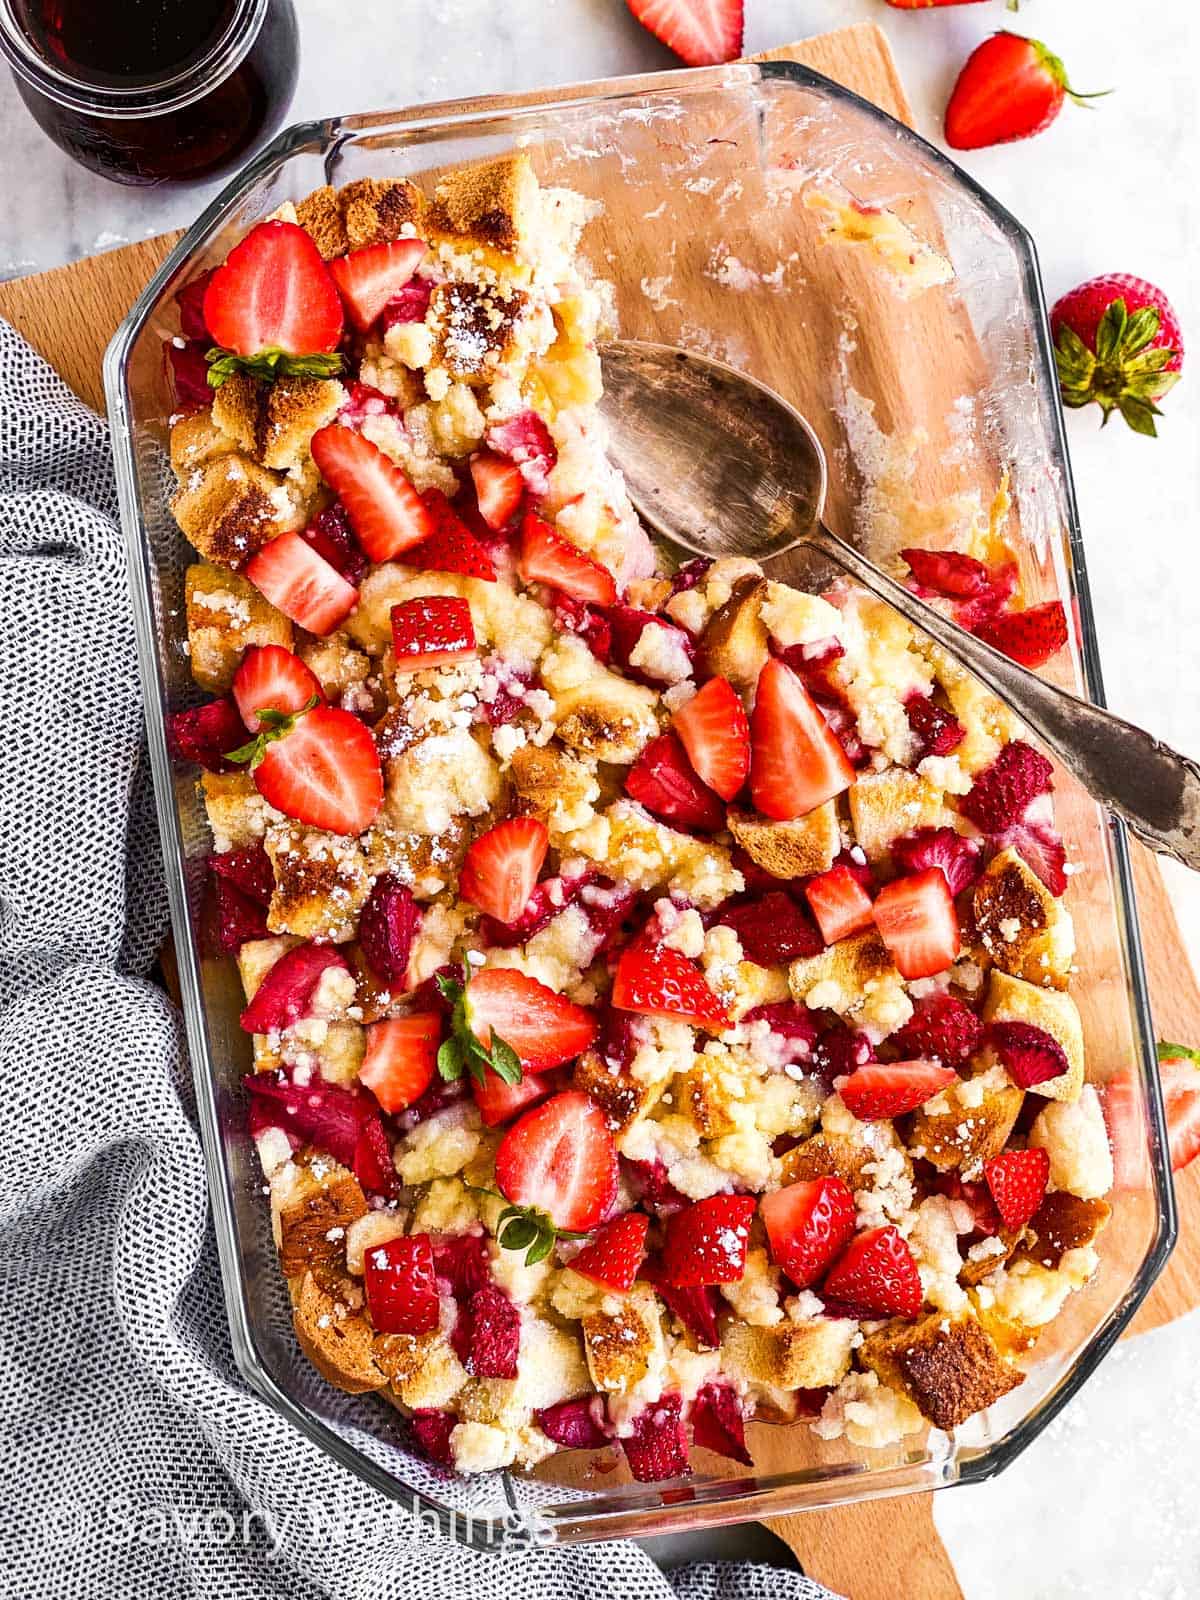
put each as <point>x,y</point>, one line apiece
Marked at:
<point>425,1373</point>
<point>340,1053</point>
<point>1062,1222</point>
<point>885,805</point>
<point>865,1155</point>
<point>336,1336</point>
<point>795,849</point>
<point>734,643</point>
<point>622,1345</point>
<point>313,1204</point>
<point>601,715</point>
<point>837,977</point>
<point>1011,999</point>
<point>225,616</point>
<point>474,329</point>
<point>321,882</point>
<point>552,1369</point>
<point>365,1232</point>
<point>555,785</point>
<point>1074,1136</point>
<point>237,813</point>
<point>1023,928</point>
<point>342,670</point>
<point>968,1123</point>
<point>367,211</point>
<point>230,507</point>
<point>196,440</point>
<point>622,1097</point>
<point>635,848</point>
<point>809,1354</point>
<point>492,208</point>
<point>718,1093</point>
<point>273,422</point>
<point>949,1368</point>
<point>427,861</point>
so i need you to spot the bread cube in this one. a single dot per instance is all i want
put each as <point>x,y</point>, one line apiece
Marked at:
<point>949,1368</point>
<point>809,1354</point>
<point>313,1204</point>
<point>274,421</point>
<point>884,805</point>
<point>622,1097</point>
<point>321,882</point>
<point>968,1123</point>
<point>622,1345</point>
<point>556,786</point>
<point>795,849</point>
<point>1074,1136</point>
<point>365,212</point>
<point>225,616</point>
<point>1011,999</point>
<point>606,717</point>
<point>237,813</point>
<point>837,977</point>
<point>734,644</point>
<point>196,440</point>
<point>475,329</point>
<point>337,1337</point>
<point>1062,1222</point>
<point>428,1376</point>
<point>230,507</point>
<point>490,211</point>
<point>1020,924</point>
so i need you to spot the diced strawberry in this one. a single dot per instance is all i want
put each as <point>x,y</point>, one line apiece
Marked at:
<point>237,916</point>
<point>937,730</point>
<point>206,734</point>
<point>549,899</point>
<point>788,1020</point>
<point>248,869</point>
<point>716,735</point>
<point>959,860</point>
<point>576,1424</point>
<point>941,1026</point>
<point>609,908</point>
<point>401,1058</point>
<point>1040,847</point>
<point>947,572</point>
<point>273,292</point>
<point>1002,585</point>
<point>432,1430</point>
<point>499,488</point>
<point>796,761</point>
<point>368,279</point>
<point>975,1195</point>
<point>718,1423</point>
<point>363,400</point>
<point>297,581</point>
<point>808,1226</point>
<point>287,990</point>
<point>878,1275</point>
<point>188,364</point>
<point>856,864</point>
<point>401,1285</point>
<point>545,1029</point>
<point>332,538</point>
<point>387,514</point>
<point>885,1089</point>
<point>1029,1055</point>
<point>325,1115</point>
<point>663,780</point>
<point>916,920</point>
<point>432,630</point>
<point>653,1189</point>
<point>659,982</point>
<point>373,1164</point>
<point>451,547</point>
<point>502,866</point>
<point>772,929</point>
<point>626,628</point>
<point>499,1102</point>
<point>487,1336</point>
<point>707,1242</point>
<point>546,557</point>
<point>617,1251</point>
<point>1030,637</point>
<point>271,678</point>
<point>702,33</point>
<point>839,1051</point>
<point>408,305</point>
<point>462,1265</point>
<point>190,300</point>
<point>658,1448</point>
<point>1017,1181</point>
<point>525,440</point>
<point>839,903</point>
<point>512,684</point>
<point>560,1160</point>
<point>689,575</point>
<point>325,772</point>
<point>387,926</point>
<point>695,1306</point>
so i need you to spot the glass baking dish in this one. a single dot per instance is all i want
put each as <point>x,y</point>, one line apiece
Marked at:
<point>711,238</point>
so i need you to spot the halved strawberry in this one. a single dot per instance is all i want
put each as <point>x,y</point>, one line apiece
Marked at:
<point>695,1307</point>
<point>702,33</point>
<point>627,630</point>
<point>615,1254</point>
<point>578,1424</point>
<point>367,279</point>
<point>387,927</point>
<point>499,488</point>
<point>206,734</point>
<point>559,1159</point>
<point>546,557</point>
<point>1179,1074</point>
<point>716,736</point>
<point>877,1275</point>
<point>502,866</point>
<point>1030,637</point>
<point>431,630</point>
<point>797,762</point>
<point>297,581</point>
<point>499,1102</point>
<point>808,1226</point>
<point>387,514</point>
<point>1126,1116</point>
<point>401,1285</point>
<point>273,292</point>
<point>883,1089</point>
<point>1001,794</point>
<point>1017,1181</point>
<point>324,772</point>
<point>451,547</point>
<point>1029,1054</point>
<point>272,678</point>
<point>545,1029</point>
<point>839,902</point>
<point>942,1026</point>
<point>549,899</point>
<point>663,781</point>
<point>917,921</point>
<point>401,1058</point>
<point>706,1243</point>
<point>659,982</point>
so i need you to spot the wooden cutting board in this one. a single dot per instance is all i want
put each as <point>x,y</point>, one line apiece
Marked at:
<point>886,1549</point>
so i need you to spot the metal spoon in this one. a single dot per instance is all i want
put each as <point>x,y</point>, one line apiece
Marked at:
<point>722,465</point>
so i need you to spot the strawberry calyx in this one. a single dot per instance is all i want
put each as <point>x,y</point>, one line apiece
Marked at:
<point>526,1228</point>
<point>1053,65</point>
<point>276,725</point>
<point>1126,371</point>
<point>1165,1051</point>
<point>269,364</point>
<point>463,1052</point>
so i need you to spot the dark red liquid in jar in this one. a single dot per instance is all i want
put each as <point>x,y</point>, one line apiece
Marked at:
<point>167,49</point>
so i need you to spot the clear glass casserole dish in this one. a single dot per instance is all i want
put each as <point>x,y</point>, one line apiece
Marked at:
<point>715,235</point>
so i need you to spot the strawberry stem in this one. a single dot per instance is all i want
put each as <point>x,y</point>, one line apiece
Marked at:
<point>1054,66</point>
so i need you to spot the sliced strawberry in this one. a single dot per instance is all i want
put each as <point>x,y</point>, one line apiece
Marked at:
<point>342,1123</point>
<point>499,488</point>
<point>615,1254</point>
<point>487,1335</point>
<point>707,1242</point>
<point>578,1424</point>
<point>387,927</point>
<point>1029,1055</point>
<point>525,440</point>
<point>451,547</point>
<point>546,557</point>
<point>772,929</point>
<point>716,735</point>
<point>718,1423</point>
<point>941,1026</point>
<point>499,1102</point>
<point>947,572</point>
<point>271,678</point>
<point>662,779</point>
<point>885,1089</point>
<point>401,1058</point>
<point>878,1275</point>
<point>658,1448</point>
<point>702,33</point>
<point>432,630</point>
<point>695,1307</point>
<point>1001,795</point>
<point>937,730</point>
<point>286,992</point>
<point>545,1029</point>
<point>367,279</point>
<point>206,734</point>
<point>1179,1074</point>
<point>917,921</point>
<point>1041,848</point>
<point>796,762</point>
<point>325,772</point>
<point>331,537</point>
<point>401,1285</point>
<point>502,866</point>
<point>297,581</point>
<point>840,904</point>
<point>959,860</point>
<point>387,514</point>
<point>808,1226</point>
<point>248,869</point>
<point>1030,637</point>
<point>658,982</point>
<point>559,1159</point>
<point>549,899</point>
<point>273,292</point>
<point>1017,1181</point>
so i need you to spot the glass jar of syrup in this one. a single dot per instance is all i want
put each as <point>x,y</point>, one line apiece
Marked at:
<point>149,91</point>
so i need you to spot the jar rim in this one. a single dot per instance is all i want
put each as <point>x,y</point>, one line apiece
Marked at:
<point>172,93</point>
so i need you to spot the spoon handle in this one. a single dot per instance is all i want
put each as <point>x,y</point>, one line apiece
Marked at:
<point>1156,790</point>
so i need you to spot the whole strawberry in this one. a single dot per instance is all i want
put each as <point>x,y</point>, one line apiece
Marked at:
<point>1009,88</point>
<point>1117,342</point>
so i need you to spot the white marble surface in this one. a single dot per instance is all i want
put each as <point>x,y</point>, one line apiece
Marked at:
<point>1104,1503</point>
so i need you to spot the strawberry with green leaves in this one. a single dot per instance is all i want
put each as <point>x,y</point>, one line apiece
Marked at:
<point>557,1168</point>
<point>1118,345</point>
<point>1010,88</point>
<point>508,1021</point>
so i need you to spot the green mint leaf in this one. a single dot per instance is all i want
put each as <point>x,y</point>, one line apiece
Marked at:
<point>1172,1052</point>
<point>449,1060</point>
